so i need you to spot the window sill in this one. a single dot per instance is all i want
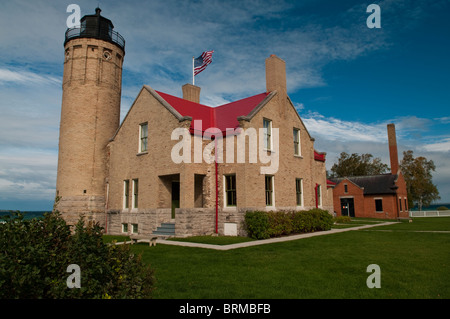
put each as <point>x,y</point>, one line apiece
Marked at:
<point>230,208</point>
<point>142,153</point>
<point>298,156</point>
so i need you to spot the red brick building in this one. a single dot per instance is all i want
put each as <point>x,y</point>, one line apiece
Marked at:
<point>377,196</point>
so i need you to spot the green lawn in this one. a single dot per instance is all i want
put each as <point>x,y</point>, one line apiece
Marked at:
<point>413,265</point>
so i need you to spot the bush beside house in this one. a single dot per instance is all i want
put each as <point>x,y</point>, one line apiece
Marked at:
<point>263,225</point>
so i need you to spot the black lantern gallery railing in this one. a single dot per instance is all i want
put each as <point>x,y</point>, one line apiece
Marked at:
<point>105,34</point>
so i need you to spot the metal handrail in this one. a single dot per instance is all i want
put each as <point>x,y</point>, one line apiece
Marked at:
<point>102,34</point>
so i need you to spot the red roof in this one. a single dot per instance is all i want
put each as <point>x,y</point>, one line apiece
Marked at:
<point>319,156</point>
<point>222,117</point>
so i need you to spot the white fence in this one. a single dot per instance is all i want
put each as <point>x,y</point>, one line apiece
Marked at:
<point>430,213</point>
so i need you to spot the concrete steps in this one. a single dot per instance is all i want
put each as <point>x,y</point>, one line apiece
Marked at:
<point>166,229</point>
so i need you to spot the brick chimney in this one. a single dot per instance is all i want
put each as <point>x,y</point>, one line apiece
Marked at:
<point>393,154</point>
<point>191,93</point>
<point>276,81</point>
<point>275,74</point>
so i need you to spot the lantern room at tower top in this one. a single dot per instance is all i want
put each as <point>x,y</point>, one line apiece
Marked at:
<point>95,26</point>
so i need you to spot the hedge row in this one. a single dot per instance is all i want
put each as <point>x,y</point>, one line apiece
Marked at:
<point>263,225</point>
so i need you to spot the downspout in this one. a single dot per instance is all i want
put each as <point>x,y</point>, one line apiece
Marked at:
<point>315,190</point>
<point>217,186</point>
<point>106,208</point>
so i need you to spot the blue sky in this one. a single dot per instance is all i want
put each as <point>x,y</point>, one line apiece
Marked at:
<point>347,81</point>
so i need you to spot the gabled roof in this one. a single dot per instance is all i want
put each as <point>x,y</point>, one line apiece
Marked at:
<point>222,117</point>
<point>375,184</point>
<point>225,117</point>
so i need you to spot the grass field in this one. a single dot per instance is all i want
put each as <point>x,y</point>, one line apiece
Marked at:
<point>413,264</point>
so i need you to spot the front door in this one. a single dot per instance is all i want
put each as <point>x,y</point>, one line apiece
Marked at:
<point>347,207</point>
<point>175,197</point>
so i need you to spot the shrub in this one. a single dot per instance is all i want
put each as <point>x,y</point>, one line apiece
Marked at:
<point>257,224</point>
<point>262,225</point>
<point>35,254</point>
<point>303,222</point>
<point>342,219</point>
<point>280,223</point>
<point>442,208</point>
<point>322,220</point>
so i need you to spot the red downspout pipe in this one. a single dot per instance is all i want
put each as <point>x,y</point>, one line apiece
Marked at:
<point>106,208</point>
<point>317,200</point>
<point>217,186</point>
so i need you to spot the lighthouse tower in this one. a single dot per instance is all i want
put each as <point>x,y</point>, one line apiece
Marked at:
<point>90,115</point>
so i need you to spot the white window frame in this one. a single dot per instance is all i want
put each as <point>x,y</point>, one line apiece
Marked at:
<point>126,194</point>
<point>297,134</point>
<point>141,137</point>
<point>267,133</point>
<point>134,200</point>
<point>375,202</point>
<point>301,192</point>
<point>319,195</point>
<point>272,178</point>
<point>124,228</point>
<point>135,228</point>
<point>225,197</point>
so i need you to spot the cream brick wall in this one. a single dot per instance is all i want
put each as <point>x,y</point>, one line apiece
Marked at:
<point>90,114</point>
<point>126,163</point>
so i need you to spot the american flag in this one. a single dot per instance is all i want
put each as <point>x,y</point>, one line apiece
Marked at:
<point>202,61</point>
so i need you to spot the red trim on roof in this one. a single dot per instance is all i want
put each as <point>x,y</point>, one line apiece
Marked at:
<point>319,156</point>
<point>330,183</point>
<point>222,117</point>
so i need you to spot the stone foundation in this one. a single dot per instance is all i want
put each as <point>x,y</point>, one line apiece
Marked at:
<point>188,221</point>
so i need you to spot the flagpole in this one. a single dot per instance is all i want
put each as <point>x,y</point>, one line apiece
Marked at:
<point>193,76</point>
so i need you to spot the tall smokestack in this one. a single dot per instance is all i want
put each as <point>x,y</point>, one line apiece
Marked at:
<point>393,154</point>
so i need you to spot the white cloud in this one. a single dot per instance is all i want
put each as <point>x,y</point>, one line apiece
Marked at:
<point>27,174</point>
<point>25,77</point>
<point>343,131</point>
<point>441,146</point>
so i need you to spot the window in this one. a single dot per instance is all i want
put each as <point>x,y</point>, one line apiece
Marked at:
<point>379,205</point>
<point>267,125</point>
<point>400,204</point>
<point>406,205</point>
<point>345,188</point>
<point>134,228</point>
<point>319,195</point>
<point>124,228</point>
<point>269,190</point>
<point>135,193</point>
<point>297,150</point>
<point>126,195</point>
<point>299,191</point>
<point>230,190</point>
<point>143,138</point>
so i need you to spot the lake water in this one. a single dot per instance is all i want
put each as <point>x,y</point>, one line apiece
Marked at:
<point>26,215</point>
